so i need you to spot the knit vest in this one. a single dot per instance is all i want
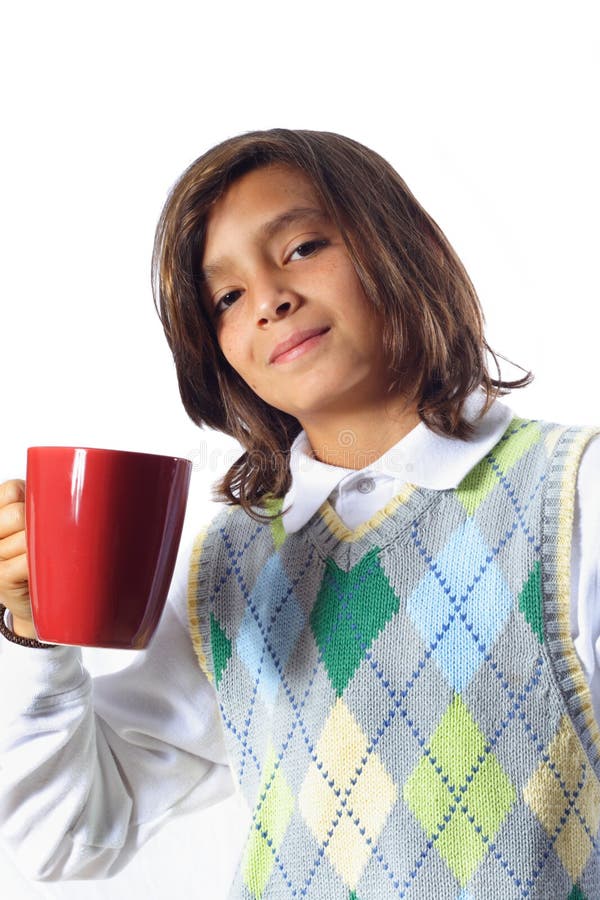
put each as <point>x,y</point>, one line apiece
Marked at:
<point>403,707</point>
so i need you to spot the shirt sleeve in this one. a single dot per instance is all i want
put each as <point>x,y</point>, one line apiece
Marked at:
<point>585,569</point>
<point>91,768</point>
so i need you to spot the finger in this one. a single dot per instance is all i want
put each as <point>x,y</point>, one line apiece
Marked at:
<point>12,491</point>
<point>12,519</point>
<point>13,545</point>
<point>14,574</point>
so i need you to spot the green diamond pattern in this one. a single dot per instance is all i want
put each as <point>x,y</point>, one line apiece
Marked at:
<point>459,792</point>
<point>481,480</point>
<point>576,893</point>
<point>530,601</point>
<point>272,817</point>
<point>351,609</point>
<point>221,648</point>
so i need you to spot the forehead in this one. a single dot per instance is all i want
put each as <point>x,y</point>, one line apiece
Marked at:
<point>255,198</point>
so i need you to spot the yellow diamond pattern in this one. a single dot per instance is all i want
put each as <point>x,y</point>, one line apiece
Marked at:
<point>564,794</point>
<point>348,798</point>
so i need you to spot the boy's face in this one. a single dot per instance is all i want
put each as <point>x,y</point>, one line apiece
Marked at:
<point>277,272</point>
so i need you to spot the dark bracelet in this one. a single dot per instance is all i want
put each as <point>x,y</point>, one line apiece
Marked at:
<point>16,638</point>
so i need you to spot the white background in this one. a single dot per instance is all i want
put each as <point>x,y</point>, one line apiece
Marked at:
<point>489,112</point>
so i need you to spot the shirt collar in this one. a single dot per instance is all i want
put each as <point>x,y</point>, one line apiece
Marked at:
<point>422,457</point>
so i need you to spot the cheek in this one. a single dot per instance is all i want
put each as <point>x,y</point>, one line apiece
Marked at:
<point>357,304</point>
<point>230,344</point>
<point>232,348</point>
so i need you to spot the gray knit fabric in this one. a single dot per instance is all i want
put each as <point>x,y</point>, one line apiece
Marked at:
<point>402,704</point>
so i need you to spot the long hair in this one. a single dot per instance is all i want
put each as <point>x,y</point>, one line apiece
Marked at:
<point>434,326</point>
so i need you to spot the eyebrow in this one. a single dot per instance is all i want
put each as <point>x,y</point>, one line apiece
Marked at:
<point>269,229</point>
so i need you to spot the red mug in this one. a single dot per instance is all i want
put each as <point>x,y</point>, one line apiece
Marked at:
<point>103,529</point>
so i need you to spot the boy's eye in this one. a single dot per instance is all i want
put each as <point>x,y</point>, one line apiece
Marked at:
<point>307,248</point>
<point>226,300</point>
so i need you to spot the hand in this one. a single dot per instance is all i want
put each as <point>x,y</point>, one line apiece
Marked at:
<point>14,573</point>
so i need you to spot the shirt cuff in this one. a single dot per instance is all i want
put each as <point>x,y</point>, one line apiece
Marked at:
<point>39,676</point>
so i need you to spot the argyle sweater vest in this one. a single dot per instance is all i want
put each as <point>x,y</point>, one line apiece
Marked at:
<point>403,707</point>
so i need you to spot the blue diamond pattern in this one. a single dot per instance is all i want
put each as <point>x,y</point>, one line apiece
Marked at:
<point>274,600</point>
<point>459,627</point>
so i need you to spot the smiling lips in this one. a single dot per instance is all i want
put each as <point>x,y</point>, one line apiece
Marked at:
<point>299,342</point>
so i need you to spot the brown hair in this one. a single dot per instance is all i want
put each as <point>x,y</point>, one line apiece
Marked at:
<point>409,271</point>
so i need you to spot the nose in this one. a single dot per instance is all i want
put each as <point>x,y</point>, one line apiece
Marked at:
<point>273,301</point>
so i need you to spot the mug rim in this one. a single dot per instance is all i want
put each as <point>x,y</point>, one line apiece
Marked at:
<point>107,451</point>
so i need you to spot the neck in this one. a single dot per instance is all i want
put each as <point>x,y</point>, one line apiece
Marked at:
<point>358,442</point>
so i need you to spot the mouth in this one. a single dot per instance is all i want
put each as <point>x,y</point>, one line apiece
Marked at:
<point>296,344</point>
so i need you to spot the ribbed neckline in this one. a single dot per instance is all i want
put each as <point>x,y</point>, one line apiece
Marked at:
<point>346,546</point>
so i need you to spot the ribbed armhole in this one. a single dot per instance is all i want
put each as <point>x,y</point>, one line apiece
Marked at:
<point>557,527</point>
<point>199,630</point>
